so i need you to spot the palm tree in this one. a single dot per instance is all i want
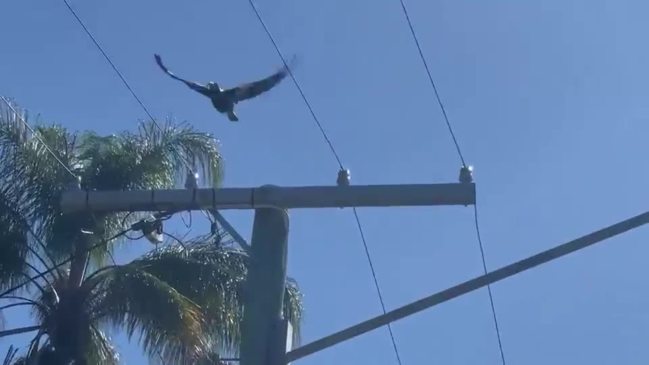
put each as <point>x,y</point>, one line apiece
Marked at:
<point>183,303</point>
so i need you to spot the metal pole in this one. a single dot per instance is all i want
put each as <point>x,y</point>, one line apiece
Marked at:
<point>264,290</point>
<point>469,286</point>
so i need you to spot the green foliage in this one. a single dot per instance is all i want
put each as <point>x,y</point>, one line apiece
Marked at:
<point>213,277</point>
<point>13,245</point>
<point>32,179</point>
<point>180,304</point>
<point>10,356</point>
<point>168,323</point>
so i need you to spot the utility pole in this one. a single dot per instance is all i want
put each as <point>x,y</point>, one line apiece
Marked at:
<point>265,333</point>
<point>264,290</point>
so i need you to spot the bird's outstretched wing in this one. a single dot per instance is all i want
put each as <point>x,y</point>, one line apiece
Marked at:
<point>196,86</point>
<point>256,88</point>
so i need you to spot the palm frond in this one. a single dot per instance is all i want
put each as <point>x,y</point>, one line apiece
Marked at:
<point>101,351</point>
<point>294,308</point>
<point>167,322</point>
<point>210,358</point>
<point>180,145</point>
<point>33,354</point>
<point>214,278</point>
<point>20,360</point>
<point>38,177</point>
<point>14,248</point>
<point>210,277</point>
<point>177,302</point>
<point>32,178</point>
<point>39,356</point>
<point>149,159</point>
<point>10,356</point>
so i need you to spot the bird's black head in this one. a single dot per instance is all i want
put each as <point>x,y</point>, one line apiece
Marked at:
<point>213,86</point>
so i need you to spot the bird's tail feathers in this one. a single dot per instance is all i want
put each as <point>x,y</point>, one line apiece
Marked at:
<point>290,64</point>
<point>164,68</point>
<point>232,117</point>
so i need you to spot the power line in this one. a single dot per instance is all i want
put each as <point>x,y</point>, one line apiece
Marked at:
<point>136,226</point>
<point>376,283</point>
<point>69,259</point>
<point>121,76</point>
<point>340,164</point>
<point>30,230</point>
<point>28,227</point>
<point>19,217</point>
<point>297,85</point>
<point>470,285</point>
<point>432,82</point>
<point>491,298</point>
<point>38,137</point>
<point>459,152</point>
<point>128,86</point>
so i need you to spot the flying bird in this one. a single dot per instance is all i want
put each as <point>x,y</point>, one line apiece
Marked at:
<point>225,100</point>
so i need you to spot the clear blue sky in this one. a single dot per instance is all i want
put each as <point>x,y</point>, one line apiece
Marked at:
<point>549,101</point>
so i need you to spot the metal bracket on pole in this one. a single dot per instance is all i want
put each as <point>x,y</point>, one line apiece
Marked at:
<point>228,227</point>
